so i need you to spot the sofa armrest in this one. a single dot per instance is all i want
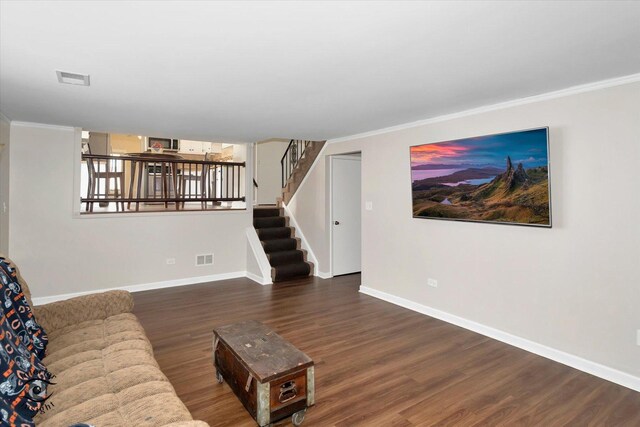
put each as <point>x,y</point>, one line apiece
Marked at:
<point>60,314</point>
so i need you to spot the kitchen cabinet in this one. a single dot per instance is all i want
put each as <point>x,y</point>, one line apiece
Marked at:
<point>190,147</point>
<point>123,144</point>
<point>199,147</point>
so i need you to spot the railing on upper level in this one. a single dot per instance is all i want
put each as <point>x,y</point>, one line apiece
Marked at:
<point>291,157</point>
<point>160,182</point>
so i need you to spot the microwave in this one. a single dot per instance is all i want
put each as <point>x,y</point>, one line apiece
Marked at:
<point>168,144</point>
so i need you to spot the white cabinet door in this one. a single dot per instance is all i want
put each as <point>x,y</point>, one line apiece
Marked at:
<point>206,147</point>
<point>190,147</point>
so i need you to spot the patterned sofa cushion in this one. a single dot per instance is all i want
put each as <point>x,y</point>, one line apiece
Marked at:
<point>24,379</point>
<point>23,283</point>
<point>18,311</point>
<point>9,417</point>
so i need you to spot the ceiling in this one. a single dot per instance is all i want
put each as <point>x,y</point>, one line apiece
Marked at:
<point>247,71</point>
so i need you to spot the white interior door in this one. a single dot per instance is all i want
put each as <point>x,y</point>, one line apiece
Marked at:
<point>345,214</point>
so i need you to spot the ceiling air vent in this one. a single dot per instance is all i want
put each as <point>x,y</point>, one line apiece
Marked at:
<point>73,78</point>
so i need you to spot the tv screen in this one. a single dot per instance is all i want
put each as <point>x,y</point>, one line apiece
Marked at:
<point>501,178</point>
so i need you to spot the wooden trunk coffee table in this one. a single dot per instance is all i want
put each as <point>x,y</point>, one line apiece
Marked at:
<point>271,377</point>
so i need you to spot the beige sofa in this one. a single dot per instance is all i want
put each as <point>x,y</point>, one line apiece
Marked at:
<point>105,372</point>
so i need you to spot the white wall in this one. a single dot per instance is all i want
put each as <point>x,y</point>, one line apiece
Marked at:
<point>574,288</point>
<point>5,130</point>
<point>59,253</point>
<point>268,170</point>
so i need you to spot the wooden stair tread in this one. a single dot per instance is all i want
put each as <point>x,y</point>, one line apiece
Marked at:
<point>288,261</point>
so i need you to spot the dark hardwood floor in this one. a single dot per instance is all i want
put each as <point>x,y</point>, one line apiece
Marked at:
<point>376,364</point>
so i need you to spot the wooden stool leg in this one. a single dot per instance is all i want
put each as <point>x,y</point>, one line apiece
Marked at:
<point>92,194</point>
<point>107,186</point>
<point>182,187</point>
<point>89,194</point>
<point>116,193</point>
<point>203,188</point>
<point>122,193</point>
<point>165,185</point>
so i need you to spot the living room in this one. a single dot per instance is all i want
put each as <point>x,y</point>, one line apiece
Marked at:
<point>450,322</point>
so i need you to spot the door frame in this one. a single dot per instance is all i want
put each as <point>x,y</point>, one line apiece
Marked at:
<point>329,199</point>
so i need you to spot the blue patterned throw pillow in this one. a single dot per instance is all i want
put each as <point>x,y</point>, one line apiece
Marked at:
<point>10,418</point>
<point>23,377</point>
<point>18,312</point>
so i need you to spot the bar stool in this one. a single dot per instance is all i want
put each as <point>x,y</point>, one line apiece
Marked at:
<point>106,169</point>
<point>147,164</point>
<point>201,178</point>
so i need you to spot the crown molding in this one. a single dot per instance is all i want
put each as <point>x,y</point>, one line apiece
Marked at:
<point>41,125</point>
<point>573,90</point>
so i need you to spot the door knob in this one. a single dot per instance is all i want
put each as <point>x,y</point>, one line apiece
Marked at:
<point>336,222</point>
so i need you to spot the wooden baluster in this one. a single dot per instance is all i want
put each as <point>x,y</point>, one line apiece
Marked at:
<point>214,181</point>
<point>203,182</point>
<point>107,183</point>
<point>174,171</point>
<point>143,166</point>
<point>132,177</point>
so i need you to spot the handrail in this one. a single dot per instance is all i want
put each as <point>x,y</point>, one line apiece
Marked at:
<point>152,159</point>
<point>160,179</point>
<point>291,157</point>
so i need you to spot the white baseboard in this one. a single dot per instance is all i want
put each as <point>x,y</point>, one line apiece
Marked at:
<point>146,286</point>
<point>324,275</point>
<point>593,368</point>
<point>259,279</point>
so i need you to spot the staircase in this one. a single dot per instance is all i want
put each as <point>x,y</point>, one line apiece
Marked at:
<point>296,162</point>
<point>283,251</point>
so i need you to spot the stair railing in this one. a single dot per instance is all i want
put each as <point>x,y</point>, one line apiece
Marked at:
<point>291,157</point>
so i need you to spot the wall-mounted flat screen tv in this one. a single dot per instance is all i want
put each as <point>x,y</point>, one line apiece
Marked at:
<point>501,178</point>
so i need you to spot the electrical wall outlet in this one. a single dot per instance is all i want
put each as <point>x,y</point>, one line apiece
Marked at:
<point>432,282</point>
<point>171,261</point>
<point>368,206</point>
<point>204,259</point>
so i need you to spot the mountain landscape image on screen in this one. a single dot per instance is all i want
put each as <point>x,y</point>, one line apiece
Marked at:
<point>496,178</point>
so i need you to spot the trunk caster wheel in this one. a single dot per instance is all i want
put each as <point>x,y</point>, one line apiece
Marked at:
<point>219,377</point>
<point>298,417</point>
